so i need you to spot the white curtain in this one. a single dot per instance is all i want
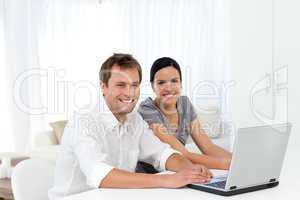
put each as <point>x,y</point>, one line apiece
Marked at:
<point>51,51</point>
<point>16,56</point>
<point>6,133</point>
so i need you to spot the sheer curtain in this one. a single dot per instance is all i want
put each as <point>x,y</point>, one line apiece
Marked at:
<point>16,56</point>
<point>51,52</point>
<point>194,32</point>
<point>6,133</point>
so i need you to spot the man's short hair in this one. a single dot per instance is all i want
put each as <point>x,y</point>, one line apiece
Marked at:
<point>124,61</point>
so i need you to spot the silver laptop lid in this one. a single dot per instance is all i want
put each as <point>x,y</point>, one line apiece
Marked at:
<point>258,155</point>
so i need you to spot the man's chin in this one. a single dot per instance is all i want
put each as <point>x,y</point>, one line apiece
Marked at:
<point>126,110</point>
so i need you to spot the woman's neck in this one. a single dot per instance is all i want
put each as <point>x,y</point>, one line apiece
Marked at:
<point>165,108</point>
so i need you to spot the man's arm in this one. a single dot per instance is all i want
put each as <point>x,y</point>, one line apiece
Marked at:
<point>117,178</point>
<point>187,173</point>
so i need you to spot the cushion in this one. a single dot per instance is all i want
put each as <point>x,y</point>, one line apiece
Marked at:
<point>210,121</point>
<point>58,129</point>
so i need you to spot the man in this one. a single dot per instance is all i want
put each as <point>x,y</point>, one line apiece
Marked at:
<point>101,150</point>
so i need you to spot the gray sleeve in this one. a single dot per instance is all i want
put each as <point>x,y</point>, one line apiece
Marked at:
<point>150,114</point>
<point>188,109</point>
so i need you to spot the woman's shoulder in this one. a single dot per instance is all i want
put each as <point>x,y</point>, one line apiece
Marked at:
<point>149,112</point>
<point>186,108</point>
<point>184,100</point>
<point>148,102</point>
<point>147,105</point>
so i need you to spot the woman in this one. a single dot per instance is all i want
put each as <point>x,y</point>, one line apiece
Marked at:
<point>173,118</point>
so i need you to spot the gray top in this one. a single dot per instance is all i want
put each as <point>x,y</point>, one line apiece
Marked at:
<point>186,113</point>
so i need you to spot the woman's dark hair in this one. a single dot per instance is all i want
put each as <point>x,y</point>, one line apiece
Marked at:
<point>162,63</point>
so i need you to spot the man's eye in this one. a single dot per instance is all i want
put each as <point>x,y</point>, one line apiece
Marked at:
<point>174,80</point>
<point>120,85</point>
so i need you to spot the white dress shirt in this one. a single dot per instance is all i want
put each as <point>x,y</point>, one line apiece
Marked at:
<point>95,143</point>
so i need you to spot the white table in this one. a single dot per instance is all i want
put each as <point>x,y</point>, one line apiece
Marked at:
<point>289,188</point>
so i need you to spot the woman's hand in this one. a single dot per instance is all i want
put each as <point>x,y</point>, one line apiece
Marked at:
<point>225,162</point>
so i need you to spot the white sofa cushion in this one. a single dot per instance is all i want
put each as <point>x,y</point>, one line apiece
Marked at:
<point>210,121</point>
<point>45,138</point>
<point>58,129</point>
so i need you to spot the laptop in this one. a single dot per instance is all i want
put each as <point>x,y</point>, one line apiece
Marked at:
<point>257,159</point>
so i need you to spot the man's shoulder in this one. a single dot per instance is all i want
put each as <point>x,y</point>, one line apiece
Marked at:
<point>82,116</point>
<point>79,121</point>
<point>135,117</point>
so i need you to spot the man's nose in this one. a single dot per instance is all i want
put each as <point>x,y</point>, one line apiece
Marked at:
<point>129,91</point>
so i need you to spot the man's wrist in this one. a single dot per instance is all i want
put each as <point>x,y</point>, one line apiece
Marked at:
<point>162,180</point>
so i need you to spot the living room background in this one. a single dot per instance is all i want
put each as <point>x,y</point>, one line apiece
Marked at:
<point>51,52</point>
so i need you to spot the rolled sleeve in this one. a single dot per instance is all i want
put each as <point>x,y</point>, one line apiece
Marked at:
<point>92,159</point>
<point>164,157</point>
<point>92,163</point>
<point>98,173</point>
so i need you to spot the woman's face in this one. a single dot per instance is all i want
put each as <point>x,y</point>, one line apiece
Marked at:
<point>167,85</point>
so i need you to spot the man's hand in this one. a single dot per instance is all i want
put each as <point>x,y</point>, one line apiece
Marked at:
<point>203,170</point>
<point>193,174</point>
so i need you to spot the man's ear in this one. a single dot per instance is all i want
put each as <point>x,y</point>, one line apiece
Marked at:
<point>102,87</point>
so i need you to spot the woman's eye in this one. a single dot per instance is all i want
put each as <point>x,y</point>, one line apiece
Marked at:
<point>160,82</point>
<point>174,80</point>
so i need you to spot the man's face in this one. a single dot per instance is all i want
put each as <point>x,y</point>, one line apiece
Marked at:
<point>122,91</point>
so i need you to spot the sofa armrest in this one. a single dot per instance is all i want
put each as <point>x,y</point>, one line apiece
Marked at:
<point>49,152</point>
<point>45,138</point>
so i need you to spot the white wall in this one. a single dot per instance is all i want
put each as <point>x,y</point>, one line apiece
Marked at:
<point>287,51</point>
<point>251,41</point>
<point>251,53</point>
<point>251,56</point>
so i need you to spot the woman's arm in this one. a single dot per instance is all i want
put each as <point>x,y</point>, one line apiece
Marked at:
<point>205,144</point>
<point>210,162</point>
<point>161,132</point>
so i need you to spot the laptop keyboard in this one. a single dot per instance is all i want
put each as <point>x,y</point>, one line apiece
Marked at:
<point>220,184</point>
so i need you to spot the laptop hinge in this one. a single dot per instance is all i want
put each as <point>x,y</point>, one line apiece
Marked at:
<point>232,187</point>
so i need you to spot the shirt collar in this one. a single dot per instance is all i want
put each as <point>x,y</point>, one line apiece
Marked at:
<point>107,118</point>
